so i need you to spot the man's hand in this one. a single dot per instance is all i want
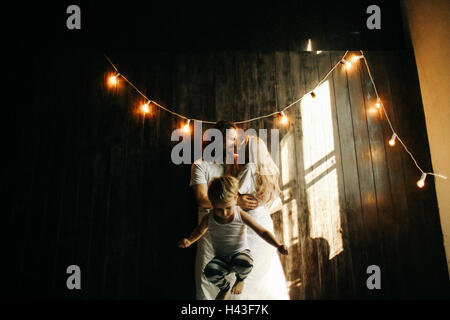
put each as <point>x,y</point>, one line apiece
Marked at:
<point>283,249</point>
<point>247,202</point>
<point>184,243</point>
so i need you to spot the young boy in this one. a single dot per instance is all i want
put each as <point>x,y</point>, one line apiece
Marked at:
<point>227,226</point>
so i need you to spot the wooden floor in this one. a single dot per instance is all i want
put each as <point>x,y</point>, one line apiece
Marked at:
<point>91,182</point>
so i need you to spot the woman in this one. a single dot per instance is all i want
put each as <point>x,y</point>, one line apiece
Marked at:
<point>259,177</point>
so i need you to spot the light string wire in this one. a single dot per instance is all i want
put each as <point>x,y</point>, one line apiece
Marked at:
<point>292,104</point>
<point>390,124</point>
<point>152,101</point>
<point>235,122</point>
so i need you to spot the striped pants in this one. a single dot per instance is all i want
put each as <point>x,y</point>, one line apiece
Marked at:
<point>218,268</point>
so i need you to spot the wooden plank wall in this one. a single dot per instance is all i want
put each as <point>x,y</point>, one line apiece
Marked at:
<point>91,182</point>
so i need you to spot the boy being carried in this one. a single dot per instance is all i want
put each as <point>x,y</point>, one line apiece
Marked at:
<point>227,226</point>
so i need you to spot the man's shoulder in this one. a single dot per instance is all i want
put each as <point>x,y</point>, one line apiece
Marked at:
<point>199,163</point>
<point>202,162</point>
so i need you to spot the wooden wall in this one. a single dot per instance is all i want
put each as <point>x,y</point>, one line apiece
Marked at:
<point>90,182</point>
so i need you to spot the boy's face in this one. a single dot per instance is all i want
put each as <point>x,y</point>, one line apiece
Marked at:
<point>224,209</point>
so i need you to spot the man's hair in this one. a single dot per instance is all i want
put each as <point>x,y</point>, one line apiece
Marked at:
<point>223,188</point>
<point>223,125</point>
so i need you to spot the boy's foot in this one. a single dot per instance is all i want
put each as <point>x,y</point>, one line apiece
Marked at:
<point>238,287</point>
<point>222,295</point>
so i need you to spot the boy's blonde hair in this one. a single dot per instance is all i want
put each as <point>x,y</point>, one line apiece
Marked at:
<point>223,188</point>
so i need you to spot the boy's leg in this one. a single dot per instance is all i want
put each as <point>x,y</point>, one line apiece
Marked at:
<point>216,271</point>
<point>242,264</point>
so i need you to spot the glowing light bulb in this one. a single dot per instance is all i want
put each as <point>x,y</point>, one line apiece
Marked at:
<point>145,107</point>
<point>186,128</point>
<point>421,182</point>
<point>378,104</point>
<point>347,64</point>
<point>309,45</point>
<point>313,94</point>
<point>356,58</point>
<point>284,119</point>
<point>392,141</point>
<point>318,51</point>
<point>113,79</point>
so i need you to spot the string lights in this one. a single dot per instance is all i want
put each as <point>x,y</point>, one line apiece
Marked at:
<point>347,64</point>
<point>421,182</point>
<point>356,58</point>
<point>392,140</point>
<point>186,128</point>
<point>283,119</point>
<point>113,80</point>
<point>145,108</point>
<point>378,103</point>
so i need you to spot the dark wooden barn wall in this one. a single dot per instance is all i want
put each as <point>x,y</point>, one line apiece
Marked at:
<point>91,182</point>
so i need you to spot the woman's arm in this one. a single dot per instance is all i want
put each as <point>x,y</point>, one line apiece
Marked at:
<point>263,233</point>
<point>277,205</point>
<point>196,234</point>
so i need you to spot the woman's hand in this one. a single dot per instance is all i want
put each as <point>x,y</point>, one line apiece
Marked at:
<point>247,202</point>
<point>184,243</point>
<point>283,249</point>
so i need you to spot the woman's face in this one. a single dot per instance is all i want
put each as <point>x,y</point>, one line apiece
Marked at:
<point>242,151</point>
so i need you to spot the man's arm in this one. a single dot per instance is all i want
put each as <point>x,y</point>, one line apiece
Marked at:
<point>196,234</point>
<point>263,233</point>
<point>247,202</point>
<point>201,195</point>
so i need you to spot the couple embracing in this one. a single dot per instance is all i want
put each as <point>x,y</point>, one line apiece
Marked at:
<point>258,197</point>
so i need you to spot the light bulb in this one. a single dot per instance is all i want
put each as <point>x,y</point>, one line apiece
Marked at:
<point>347,64</point>
<point>186,126</point>
<point>309,45</point>
<point>145,108</point>
<point>113,79</point>
<point>318,51</point>
<point>356,58</point>
<point>378,104</point>
<point>421,182</point>
<point>284,119</point>
<point>392,141</point>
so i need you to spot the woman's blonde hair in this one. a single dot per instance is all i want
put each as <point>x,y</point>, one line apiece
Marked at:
<point>267,185</point>
<point>223,188</point>
<point>267,188</point>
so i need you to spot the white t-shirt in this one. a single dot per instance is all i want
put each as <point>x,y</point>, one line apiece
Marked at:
<point>228,238</point>
<point>203,172</point>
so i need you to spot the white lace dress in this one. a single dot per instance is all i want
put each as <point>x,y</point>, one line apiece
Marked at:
<point>266,280</point>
